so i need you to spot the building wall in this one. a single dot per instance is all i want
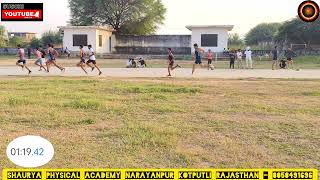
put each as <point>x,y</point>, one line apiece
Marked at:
<point>152,45</point>
<point>155,44</point>
<point>29,37</point>
<point>105,48</point>
<point>222,38</point>
<point>68,38</point>
<point>93,39</point>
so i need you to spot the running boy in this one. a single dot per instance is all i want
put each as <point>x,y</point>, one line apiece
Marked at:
<point>171,66</point>
<point>82,62</point>
<point>197,57</point>
<point>40,54</point>
<point>92,60</point>
<point>52,55</point>
<point>22,60</point>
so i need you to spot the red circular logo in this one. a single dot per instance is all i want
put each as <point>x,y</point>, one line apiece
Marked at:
<point>308,11</point>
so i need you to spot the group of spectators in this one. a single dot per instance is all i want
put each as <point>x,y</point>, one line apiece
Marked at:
<point>282,61</point>
<point>240,56</point>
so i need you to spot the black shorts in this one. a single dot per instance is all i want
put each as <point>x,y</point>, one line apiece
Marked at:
<point>198,62</point>
<point>82,60</point>
<point>21,61</point>
<point>209,61</point>
<point>92,61</point>
<point>275,58</point>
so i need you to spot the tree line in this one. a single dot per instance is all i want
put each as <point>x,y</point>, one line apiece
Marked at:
<point>294,31</point>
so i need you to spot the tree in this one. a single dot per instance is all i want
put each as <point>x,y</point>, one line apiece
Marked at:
<point>264,32</point>
<point>235,40</point>
<point>300,32</point>
<point>139,17</point>
<point>35,42</point>
<point>51,37</point>
<point>3,36</point>
<point>16,40</point>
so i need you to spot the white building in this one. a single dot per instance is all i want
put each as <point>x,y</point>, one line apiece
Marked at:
<point>213,37</point>
<point>97,36</point>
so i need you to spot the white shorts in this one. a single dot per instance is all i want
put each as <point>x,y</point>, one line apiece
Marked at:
<point>40,61</point>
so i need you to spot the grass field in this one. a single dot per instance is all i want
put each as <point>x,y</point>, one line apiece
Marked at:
<point>127,123</point>
<point>306,62</point>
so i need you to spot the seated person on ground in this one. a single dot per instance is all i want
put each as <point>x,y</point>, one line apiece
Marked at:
<point>129,63</point>
<point>142,63</point>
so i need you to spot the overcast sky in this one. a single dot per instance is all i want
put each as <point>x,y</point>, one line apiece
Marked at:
<point>244,14</point>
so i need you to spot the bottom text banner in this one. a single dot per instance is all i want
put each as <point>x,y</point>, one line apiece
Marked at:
<point>160,174</point>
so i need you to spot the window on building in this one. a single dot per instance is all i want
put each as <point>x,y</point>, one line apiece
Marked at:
<point>209,40</point>
<point>80,39</point>
<point>100,40</point>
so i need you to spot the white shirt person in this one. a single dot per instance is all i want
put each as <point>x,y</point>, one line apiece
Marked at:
<point>249,63</point>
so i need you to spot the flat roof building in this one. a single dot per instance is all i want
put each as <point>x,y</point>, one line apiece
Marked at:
<point>97,36</point>
<point>214,37</point>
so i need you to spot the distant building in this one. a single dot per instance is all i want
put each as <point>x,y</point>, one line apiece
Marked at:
<point>214,37</point>
<point>28,36</point>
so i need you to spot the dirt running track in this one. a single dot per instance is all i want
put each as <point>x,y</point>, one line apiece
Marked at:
<point>162,72</point>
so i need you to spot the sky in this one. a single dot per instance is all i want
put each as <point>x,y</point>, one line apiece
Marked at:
<point>243,14</point>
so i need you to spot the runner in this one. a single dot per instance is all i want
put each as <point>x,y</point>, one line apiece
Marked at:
<point>239,59</point>
<point>40,54</point>
<point>274,58</point>
<point>22,59</point>
<point>289,55</point>
<point>171,62</point>
<point>196,57</point>
<point>52,55</point>
<point>210,58</point>
<point>92,60</point>
<point>82,62</point>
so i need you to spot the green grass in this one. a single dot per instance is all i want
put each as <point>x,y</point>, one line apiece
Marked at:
<point>163,123</point>
<point>312,93</point>
<point>84,104</point>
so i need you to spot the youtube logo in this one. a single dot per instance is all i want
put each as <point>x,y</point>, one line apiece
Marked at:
<point>21,12</point>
